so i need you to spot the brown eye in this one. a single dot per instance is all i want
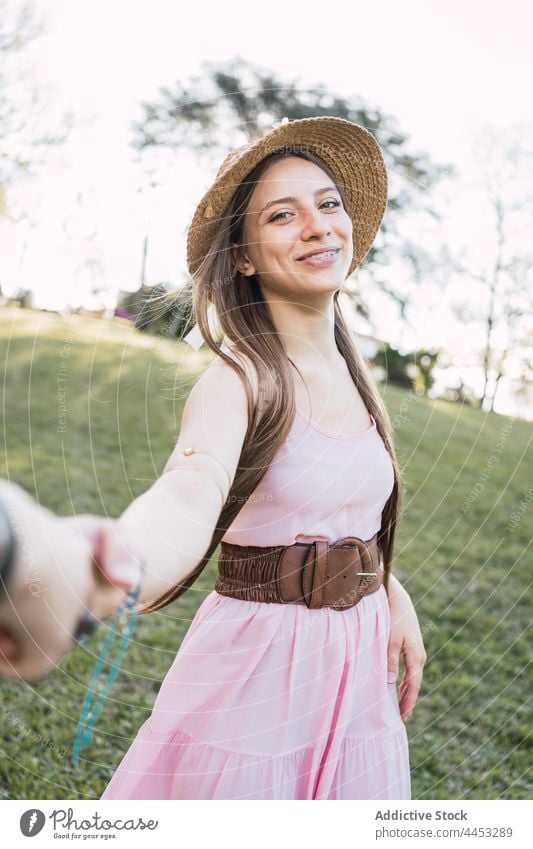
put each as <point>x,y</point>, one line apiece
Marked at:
<point>86,626</point>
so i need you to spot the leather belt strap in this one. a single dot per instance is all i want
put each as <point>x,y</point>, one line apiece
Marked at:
<point>317,574</point>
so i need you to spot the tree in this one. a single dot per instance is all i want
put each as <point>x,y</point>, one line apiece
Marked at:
<point>23,297</point>
<point>24,137</point>
<point>410,370</point>
<point>505,160</point>
<point>158,309</point>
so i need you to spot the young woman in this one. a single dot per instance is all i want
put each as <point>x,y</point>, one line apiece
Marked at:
<point>285,684</point>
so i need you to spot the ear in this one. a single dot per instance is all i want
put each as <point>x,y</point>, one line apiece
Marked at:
<point>241,261</point>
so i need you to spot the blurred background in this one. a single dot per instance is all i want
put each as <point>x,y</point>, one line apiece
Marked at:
<point>114,117</point>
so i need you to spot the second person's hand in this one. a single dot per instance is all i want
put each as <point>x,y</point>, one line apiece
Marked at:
<point>56,589</point>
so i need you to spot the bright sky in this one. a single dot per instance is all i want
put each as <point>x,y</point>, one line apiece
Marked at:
<point>442,69</point>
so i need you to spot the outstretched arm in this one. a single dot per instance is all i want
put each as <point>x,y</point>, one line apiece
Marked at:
<point>65,566</point>
<point>170,526</point>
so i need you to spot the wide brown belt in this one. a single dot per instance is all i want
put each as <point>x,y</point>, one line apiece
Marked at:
<point>318,574</point>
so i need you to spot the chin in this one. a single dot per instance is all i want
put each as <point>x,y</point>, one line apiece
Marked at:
<point>316,280</point>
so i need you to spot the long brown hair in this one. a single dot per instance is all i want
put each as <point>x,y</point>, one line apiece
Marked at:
<point>245,318</point>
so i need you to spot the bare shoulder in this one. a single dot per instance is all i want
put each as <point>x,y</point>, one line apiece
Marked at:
<point>223,370</point>
<point>215,421</point>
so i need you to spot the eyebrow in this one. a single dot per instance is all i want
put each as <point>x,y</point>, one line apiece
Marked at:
<point>293,200</point>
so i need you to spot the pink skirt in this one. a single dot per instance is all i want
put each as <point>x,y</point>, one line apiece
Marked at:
<point>274,701</point>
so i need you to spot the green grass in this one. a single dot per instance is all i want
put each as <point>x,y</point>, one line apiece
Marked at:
<point>467,570</point>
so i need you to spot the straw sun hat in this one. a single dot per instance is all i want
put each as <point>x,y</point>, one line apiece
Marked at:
<point>351,152</point>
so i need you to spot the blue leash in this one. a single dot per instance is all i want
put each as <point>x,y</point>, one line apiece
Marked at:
<point>99,685</point>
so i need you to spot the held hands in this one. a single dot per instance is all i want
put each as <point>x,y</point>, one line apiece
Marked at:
<point>405,638</point>
<point>68,573</point>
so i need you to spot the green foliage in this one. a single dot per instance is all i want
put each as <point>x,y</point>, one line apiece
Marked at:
<point>159,309</point>
<point>460,554</point>
<point>412,370</point>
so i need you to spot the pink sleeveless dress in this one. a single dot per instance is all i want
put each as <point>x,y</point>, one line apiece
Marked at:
<point>276,701</point>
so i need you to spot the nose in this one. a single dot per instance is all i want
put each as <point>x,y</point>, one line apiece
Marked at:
<point>314,224</point>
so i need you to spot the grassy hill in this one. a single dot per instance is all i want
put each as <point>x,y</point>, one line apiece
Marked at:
<point>91,413</point>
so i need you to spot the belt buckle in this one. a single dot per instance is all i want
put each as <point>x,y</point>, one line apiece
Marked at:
<point>315,569</point>
<point>367,576</point>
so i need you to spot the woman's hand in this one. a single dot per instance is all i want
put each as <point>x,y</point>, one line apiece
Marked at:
<point>405,638</point>
<point>57,583</point>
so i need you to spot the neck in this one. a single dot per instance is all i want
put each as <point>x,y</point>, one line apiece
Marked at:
<point>308,333</point>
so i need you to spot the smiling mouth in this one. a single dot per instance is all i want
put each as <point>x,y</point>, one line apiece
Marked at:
<point>321,255</point>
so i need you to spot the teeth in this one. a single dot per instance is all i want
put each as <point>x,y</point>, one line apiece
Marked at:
<point>324,253</point>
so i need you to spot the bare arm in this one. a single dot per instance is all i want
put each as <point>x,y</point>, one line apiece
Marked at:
<point>171,525</point>
<point>405,639</point>
<point>66,566</point>
<point>394,586</point>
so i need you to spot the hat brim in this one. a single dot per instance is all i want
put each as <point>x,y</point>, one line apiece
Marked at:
<point>352,153</point>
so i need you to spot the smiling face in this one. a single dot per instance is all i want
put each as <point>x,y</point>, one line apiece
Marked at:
<point>295,210</point>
